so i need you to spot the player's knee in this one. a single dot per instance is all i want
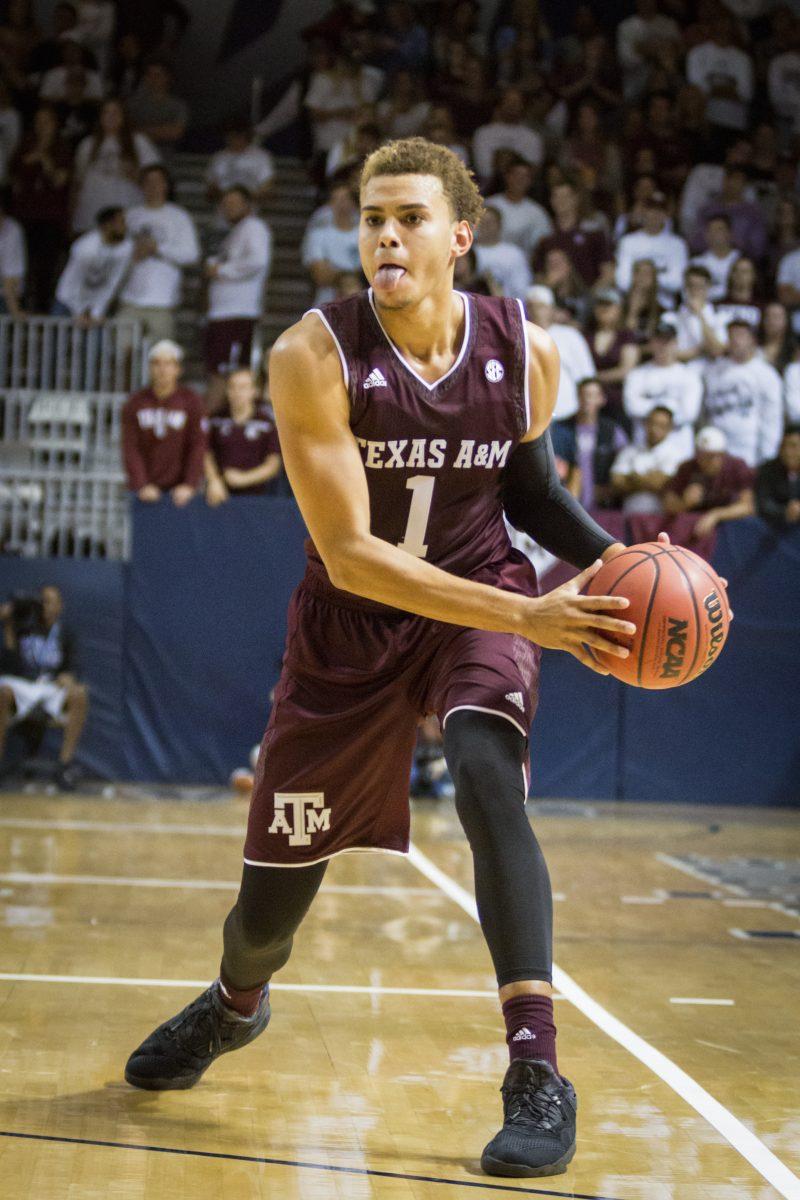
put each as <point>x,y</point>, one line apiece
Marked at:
<point>6,700</point>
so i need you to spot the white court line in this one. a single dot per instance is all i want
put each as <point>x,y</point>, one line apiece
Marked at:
<point>335,988</point>
<point>697,1000</point>
<point>223,885</point>
<point>760,1157</point>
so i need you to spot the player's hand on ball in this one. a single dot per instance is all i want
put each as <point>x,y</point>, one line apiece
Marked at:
<point>565,620</point>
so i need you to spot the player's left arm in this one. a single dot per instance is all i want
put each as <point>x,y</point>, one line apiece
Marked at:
<point>534,499</point>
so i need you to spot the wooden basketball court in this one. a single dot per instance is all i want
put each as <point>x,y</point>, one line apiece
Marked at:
<point>379,1073</point>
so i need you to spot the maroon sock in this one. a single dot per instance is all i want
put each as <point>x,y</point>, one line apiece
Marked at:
<point>530,1029</point>
<point>245,1002</point>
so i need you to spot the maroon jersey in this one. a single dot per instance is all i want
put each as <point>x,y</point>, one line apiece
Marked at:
<point>434,453</point>
<point>244,446</point>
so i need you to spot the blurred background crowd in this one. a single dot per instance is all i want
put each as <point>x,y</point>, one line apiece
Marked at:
<point>640,163</point>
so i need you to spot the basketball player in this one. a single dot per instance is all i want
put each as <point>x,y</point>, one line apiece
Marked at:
<point>411,417</point>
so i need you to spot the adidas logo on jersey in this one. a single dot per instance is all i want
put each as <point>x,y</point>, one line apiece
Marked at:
<point>516,698</point>
<point>375,379</point>
<point>524,1035</point>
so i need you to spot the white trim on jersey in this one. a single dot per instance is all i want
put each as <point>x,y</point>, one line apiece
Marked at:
<point>410,369</point>
<point>477,708</point>
<point>251,862</point>
<point>342,358</point>
<point>527,366</point>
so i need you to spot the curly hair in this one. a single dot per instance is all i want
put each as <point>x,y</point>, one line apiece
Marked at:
<point>418,156</point>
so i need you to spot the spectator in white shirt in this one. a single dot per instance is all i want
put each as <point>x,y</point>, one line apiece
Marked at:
<point>240,162</point>
<point>783,82</point>
<point>335,96</point>
<point>329,250</point>
<point>236,277</point>
<point>654,241</point>
<point>524,222</point>
<point>165,243</point>
<point>639,473</point>
<point>95,269</point>
<point>791,380</point>
<point>504,261</point>
<point>576,357</point>
<point>107,166</point>
<point>787,282</point>
<point>54,82</point>
<point>664,381</point>
<point>13,260</point>
<point>701,334</point>
<point>506,131</point>
<point>725,73</point>
<point>641,43</point>
<point>744,398</point>
<point>404,110</point>
<point>720,255</point>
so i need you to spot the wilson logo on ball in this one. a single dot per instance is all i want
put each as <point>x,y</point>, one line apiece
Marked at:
<point>676,648</point>
<point>713,607</point>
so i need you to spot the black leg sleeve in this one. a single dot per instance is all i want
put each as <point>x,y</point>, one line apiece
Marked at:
<point>260,927</point>
<point>512,884</point>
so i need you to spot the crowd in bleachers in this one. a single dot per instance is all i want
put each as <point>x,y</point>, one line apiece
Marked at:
<point>640,164</point>
<point>641,178</point>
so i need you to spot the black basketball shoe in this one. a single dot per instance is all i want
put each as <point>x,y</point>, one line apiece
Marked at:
<point>538,1134</point>
<point>177,1053</point>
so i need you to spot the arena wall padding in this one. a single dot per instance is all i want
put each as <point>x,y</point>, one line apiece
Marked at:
<point>206,621</point>
<point>182,647</point>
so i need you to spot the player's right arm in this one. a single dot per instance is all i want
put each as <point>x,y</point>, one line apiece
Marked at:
<point>324,466</point>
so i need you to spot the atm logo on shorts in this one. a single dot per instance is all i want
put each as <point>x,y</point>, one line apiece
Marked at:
<point>300,814</point>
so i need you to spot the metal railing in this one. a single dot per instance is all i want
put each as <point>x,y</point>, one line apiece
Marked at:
<point>54,353</point>
<point>43,514</point>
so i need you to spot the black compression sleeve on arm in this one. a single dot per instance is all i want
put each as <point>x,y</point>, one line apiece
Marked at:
<point>537,503</point>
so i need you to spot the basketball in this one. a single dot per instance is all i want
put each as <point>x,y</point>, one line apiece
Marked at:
<point>679,607</point>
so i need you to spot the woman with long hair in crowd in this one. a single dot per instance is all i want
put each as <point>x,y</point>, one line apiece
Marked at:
<point>642,310</point>
<point>776,341</point>
<point>107,165</point>
<point>614,348</point>
<point>41,174</point>
<point>743,298</point>
<point>567,286</point>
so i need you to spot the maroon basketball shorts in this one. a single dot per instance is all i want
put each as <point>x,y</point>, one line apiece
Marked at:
<point>333,772</point>
<point>228,344</point>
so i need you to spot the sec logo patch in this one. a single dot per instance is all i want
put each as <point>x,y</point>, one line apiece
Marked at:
<point>494,370</point>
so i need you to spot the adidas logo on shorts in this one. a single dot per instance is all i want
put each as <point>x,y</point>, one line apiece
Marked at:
<point>516,698</point>
<point>524,1035</point>
<point>375,379</point>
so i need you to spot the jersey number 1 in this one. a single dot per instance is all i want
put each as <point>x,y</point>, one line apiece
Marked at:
<point>422,497</point>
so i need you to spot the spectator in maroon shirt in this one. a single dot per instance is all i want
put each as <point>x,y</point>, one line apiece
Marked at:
<point>586,248</point>
<point>709,489</point>
<point>164,432</point>
<point>243,454</point>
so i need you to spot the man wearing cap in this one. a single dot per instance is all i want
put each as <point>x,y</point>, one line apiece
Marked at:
<point>164,432</point>
<point>576,357</point>
<point>654,240</point>
<point>666,382</point>
<point>712,487</point>
<point>744,397</point>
